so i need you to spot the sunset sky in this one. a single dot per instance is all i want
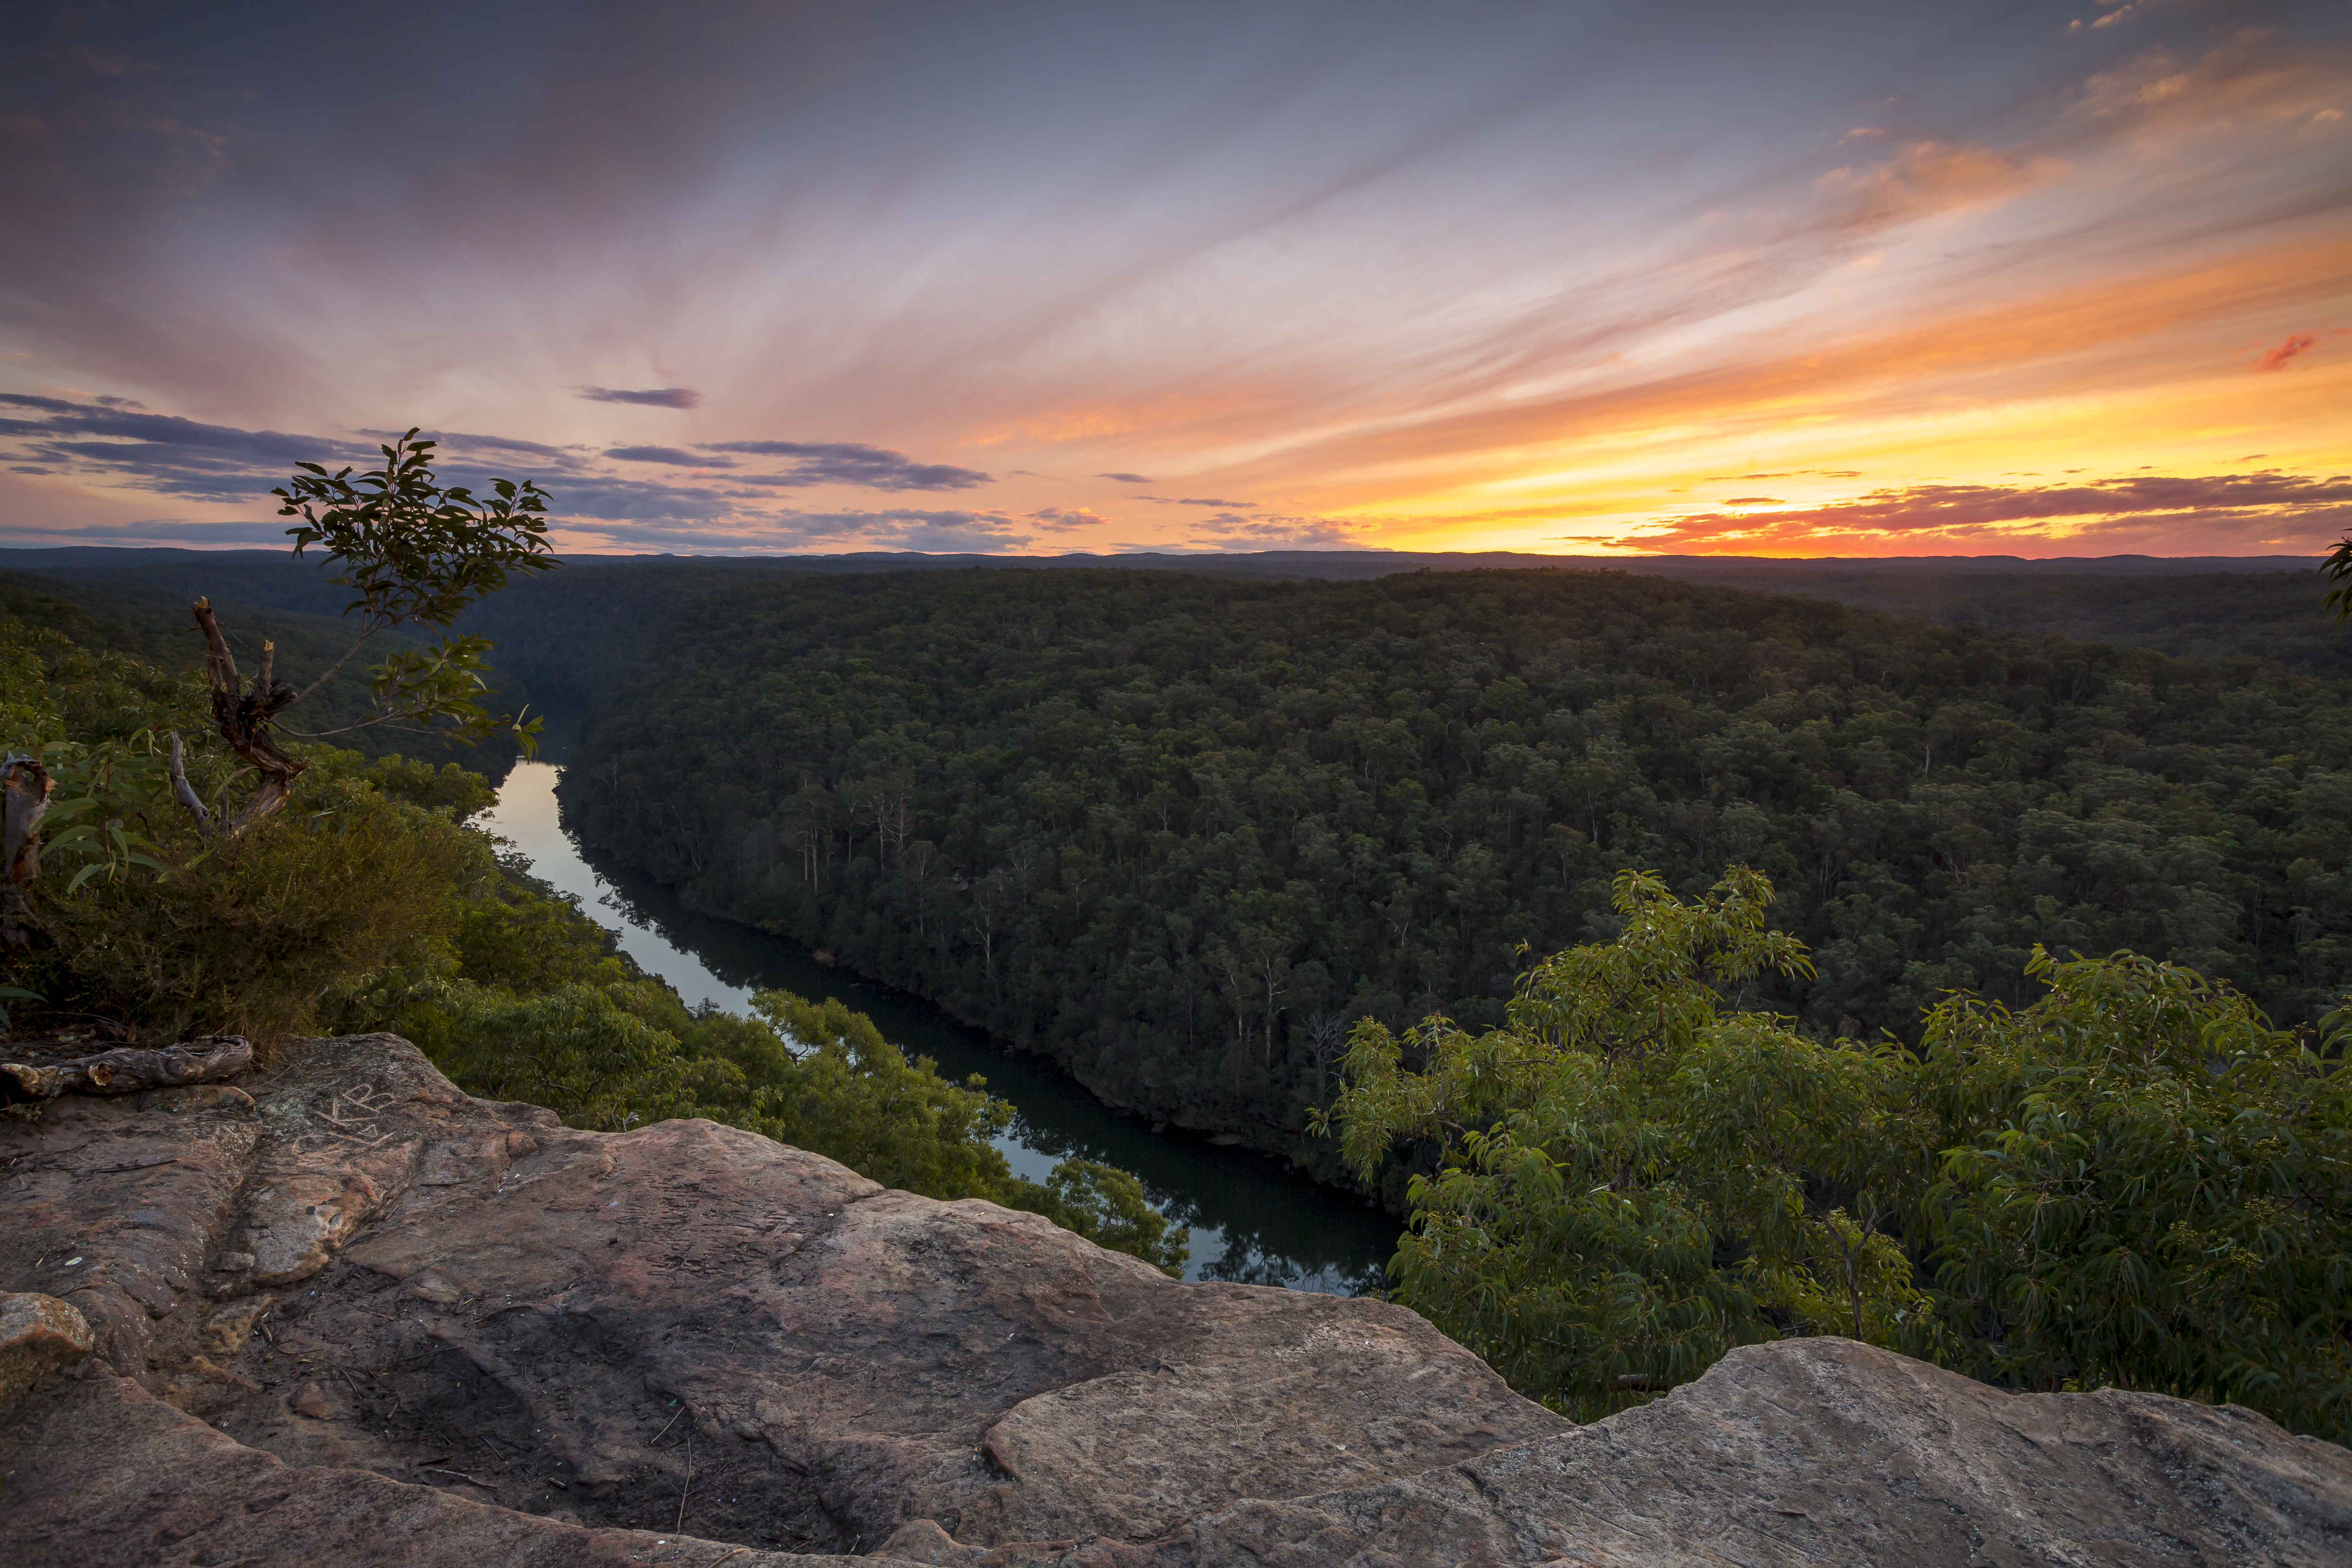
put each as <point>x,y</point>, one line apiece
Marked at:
<point>1793,279</point>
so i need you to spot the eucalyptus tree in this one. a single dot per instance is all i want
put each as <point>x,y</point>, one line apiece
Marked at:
<point>2135,1180</point>
<point>414,553</point>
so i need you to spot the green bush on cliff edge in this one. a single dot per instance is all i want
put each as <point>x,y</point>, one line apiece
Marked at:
<point>2134,1181</point>
<point>367,903</point>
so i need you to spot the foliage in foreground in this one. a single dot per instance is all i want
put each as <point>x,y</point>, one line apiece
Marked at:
<point>2133,1181</point>
<point>367,904</point>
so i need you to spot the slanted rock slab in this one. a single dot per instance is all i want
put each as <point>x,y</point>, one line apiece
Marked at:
<point>344,1313</point>
<point>369,1271</point>
<point>1828,1454</point>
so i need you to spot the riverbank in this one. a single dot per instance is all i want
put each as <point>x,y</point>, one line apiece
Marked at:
<point>1254,1220</point>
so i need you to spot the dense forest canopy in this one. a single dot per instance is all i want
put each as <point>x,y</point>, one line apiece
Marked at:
<point>1176,832</point>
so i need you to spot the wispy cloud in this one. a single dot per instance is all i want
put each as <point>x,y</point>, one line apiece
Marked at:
<point>852,463</point>
<point>1234,531</point>
<point>2294,345</point>
<point>651,397</point>
<point>1065,518</point>
<point>672,456</point>
<point>162,452</point>
<point>2254,507</point>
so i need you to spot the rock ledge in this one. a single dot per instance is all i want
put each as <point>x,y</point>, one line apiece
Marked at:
<point>345,1314</point>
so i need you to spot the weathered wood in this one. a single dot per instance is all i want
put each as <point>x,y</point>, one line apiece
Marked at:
<point>186,791</point>
<point>242,715</point>
<point>24,787</point>
<point>34,1071</point>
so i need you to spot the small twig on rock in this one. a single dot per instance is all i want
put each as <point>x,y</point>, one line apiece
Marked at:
<point>685,1486</point>
<point>475,1480</point>
<point>520,1307</point>
<point>667,1426</point>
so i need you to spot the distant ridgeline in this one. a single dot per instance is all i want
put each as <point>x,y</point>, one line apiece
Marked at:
<point>1177,831</point>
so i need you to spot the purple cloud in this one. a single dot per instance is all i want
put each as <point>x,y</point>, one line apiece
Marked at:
<point>673,456</point>
<point>850,463</point>
<point>652,397</point>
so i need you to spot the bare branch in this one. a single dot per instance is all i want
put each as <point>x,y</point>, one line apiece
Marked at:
<point>219,663</point>
<point>25,788</point>
<point>243,717</point>
<point>186,791</point>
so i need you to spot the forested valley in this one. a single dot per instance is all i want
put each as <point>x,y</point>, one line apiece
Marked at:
<point>1692,965</point>
<point>143,901</point>
<point>1178,833</point>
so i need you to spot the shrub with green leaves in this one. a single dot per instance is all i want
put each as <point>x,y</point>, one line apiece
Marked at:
<point>2141,1183</point>
<point>2134,1181</point>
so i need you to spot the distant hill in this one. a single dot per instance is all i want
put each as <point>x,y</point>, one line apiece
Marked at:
<point>2263,606</point>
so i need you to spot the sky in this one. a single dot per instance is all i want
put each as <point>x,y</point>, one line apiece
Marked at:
<point>1580,277</point>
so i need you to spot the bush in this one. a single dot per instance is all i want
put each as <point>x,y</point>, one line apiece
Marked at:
<point>2134,1181</point>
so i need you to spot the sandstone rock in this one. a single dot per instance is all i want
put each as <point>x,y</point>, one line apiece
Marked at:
<point>75,1177</point>
<point>1825,1453</point>
<point>101,1473</point>
<point>464,1333</point>
<point>39,1335</point>
<point>582,1320</point>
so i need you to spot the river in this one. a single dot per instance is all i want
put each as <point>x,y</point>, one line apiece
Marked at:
<point>1254,1220</point>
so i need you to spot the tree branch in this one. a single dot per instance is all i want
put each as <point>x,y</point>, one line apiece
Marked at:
<point>186,791</point>
<point>25,788</point>
<point>243,718</point>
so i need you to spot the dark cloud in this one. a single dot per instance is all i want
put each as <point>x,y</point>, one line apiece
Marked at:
<point>1233,530</point>
<point>2271,499</point>
<point>673,456</point>
<point>1753,500</point>
<point>1061,519</point>
<point>161,452</point>
<point>221,463</point>
<point>653,397</point>
<point>171,531</point>
<point>462,441</point>
<point>900,528</point>
<point>850,463</point>
<point>50,436</point>
<point>1126,478</point>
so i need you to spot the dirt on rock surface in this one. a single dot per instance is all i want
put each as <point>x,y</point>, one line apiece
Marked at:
<point>344,1313</point>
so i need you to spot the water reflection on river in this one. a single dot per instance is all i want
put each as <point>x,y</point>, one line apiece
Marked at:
<point>1252,1221</point>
